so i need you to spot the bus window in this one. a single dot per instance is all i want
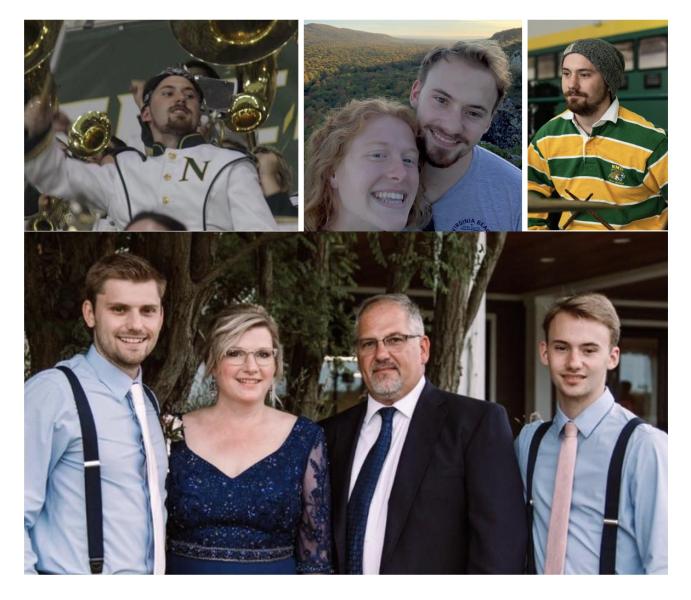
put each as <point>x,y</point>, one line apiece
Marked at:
<point>652,53</point>
<point>546,66</point>
<point>626,48</point>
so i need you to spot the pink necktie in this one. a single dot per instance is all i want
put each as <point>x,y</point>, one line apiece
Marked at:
<point>561,502</point>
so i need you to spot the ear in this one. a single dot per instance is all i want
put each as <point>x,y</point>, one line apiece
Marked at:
<point>415,93</point>
<point>146,114</point>
<point>333,182</point>
<point>542,350</point>
<point>424,349</point>
<point>613,359</point>
<point>88,314</point>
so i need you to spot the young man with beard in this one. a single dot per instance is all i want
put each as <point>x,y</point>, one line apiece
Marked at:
<point>73,497</point>
<point>573,456</point>
<point>455,95</point>
<point>423,481</point>
<point>598,149</point>
<point>202,186</point>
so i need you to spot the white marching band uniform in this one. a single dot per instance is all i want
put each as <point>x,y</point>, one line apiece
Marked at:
<point>205,187</point>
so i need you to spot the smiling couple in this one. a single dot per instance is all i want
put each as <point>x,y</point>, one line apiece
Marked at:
<point>376,165</point>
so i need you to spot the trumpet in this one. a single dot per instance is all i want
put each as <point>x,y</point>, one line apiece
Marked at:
<point>90,134</point>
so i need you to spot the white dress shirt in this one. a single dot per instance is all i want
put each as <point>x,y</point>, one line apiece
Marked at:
<point>376,519</point>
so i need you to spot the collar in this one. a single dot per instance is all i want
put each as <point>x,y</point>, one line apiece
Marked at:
<point>405,405</point>
<point>611,115</point>
<point>117,381</point>
<point>189,141</point>
<point>591,417</point>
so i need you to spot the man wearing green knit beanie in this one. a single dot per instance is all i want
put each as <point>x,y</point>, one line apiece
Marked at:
<point>598,149</point>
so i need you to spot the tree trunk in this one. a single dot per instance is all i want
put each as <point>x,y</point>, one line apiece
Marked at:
<point>403,262</point>
<point>462,284</point>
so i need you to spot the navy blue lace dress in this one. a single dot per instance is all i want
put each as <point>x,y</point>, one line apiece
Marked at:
<point>271,518</point>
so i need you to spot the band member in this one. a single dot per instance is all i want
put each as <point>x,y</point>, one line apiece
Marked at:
<point>202,186</point>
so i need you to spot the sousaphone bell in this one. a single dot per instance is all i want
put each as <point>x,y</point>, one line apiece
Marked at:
<point>249,46</point>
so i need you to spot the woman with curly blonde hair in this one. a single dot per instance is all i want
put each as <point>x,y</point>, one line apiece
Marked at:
<point>363,170</point>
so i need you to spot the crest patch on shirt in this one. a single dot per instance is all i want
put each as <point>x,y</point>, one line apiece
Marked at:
<point>616,175</point>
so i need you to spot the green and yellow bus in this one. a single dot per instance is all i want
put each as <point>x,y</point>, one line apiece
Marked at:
<point>643,44</point>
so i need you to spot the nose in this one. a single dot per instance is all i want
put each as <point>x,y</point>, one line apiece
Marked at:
<point>571,81</point>
<point>134,320</point>
<point>179,97</point>
<point>397,170</point>
<point>250,362</point>
<point>381,352</point>
<point>573,360</point>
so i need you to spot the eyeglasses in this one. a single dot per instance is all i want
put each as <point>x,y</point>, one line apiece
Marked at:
<point>393,343</point>
<point>263,357</point>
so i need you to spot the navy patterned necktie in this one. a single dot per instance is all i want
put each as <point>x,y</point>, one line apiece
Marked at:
<point>363,490</point>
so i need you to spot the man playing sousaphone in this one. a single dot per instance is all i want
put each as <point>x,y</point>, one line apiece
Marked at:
<point>202,186</point>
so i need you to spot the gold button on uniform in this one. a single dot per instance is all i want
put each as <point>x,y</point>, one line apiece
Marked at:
<point>172,155</point>
<point>166,199</point>
<point>167,177</point>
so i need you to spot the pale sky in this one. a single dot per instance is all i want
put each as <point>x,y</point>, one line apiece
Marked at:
<point>427,29</point>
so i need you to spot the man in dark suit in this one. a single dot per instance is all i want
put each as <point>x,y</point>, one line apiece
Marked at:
<point>430,485</point>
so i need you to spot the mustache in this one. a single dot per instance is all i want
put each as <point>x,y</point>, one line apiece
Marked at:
<point>456,137</point>
<point>385,364</point>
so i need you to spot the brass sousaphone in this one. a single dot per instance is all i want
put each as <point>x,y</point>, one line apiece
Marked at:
<point>40,38</point>
<point>89,135</point>
<point>249,46</point>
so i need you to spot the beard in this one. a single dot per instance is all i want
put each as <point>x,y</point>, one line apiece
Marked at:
<point>180,126</point>
<point>584,105</point>
<point>441,158</point>
<point>385,386</point>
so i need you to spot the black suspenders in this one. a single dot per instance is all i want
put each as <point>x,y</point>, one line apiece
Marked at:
<point>608,548</point>
<point>532,456</point>
<point>92,470</point>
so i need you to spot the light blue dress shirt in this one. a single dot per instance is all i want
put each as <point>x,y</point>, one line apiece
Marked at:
<point>55,539</point>
<point>642,535</point>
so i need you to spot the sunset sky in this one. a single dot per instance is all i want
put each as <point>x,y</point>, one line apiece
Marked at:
<point>427,29</point>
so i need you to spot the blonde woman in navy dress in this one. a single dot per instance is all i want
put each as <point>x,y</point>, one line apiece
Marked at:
<point>248,488</point>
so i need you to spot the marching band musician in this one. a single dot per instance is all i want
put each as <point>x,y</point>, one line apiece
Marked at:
<point>202,186</point>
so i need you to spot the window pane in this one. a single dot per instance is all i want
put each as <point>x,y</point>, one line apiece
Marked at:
<point>546,66</point>
<point>531,68</point>
<point>652,53</point>
<point>638,377</point>
<point>626,48</point>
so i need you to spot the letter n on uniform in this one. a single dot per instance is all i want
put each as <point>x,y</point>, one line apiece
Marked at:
<point>189,162</point>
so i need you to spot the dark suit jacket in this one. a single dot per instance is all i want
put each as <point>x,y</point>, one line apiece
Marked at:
<point>456,505</point>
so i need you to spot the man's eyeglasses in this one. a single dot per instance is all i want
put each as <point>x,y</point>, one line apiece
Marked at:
<point>263,357</point>
<point>393,343</point>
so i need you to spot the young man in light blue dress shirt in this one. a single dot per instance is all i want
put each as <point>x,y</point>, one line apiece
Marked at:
<point>581,337</point>
<point>123,308</point>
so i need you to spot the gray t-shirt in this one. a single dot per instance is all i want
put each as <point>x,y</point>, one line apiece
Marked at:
<point>486,198</point>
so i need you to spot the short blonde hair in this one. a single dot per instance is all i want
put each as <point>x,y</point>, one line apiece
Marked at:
<point>231,324</point>
<point>327,147</point>
<point>595,307</point>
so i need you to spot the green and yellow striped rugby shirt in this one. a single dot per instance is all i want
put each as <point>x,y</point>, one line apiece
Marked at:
<point>623,163</point>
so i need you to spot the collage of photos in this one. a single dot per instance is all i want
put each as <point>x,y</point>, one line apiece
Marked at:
<point>339,326</point>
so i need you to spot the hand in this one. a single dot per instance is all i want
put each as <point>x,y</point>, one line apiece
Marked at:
<point>137,91</point>
<point>38,115</point>
<point>61,122</point>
